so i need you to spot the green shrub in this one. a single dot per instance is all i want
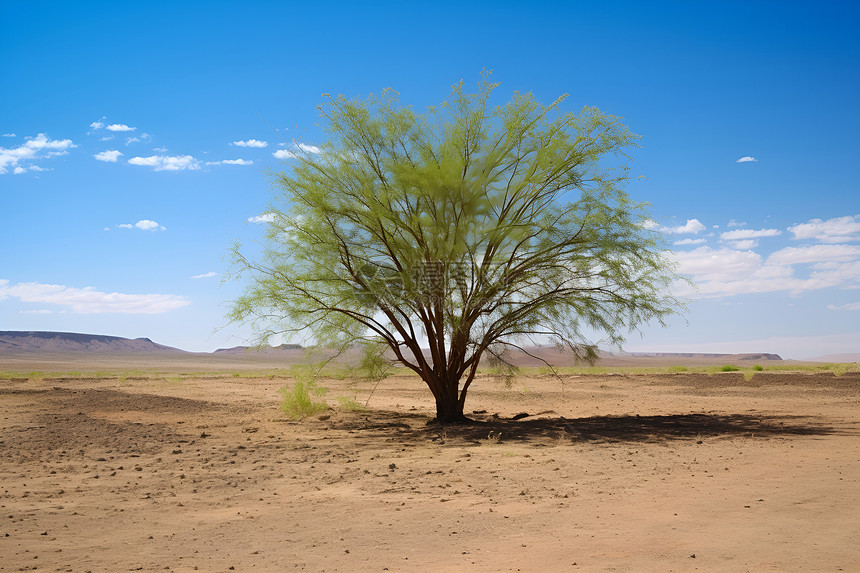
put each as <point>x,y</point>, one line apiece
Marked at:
<point>349,404</point>
<point>729,368</point>
<point>298,401</point>
<point>758,367</point>
<point>678,369</point>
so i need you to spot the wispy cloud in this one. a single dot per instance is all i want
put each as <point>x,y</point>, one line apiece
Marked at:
<point>849,306</point>
<point>749,234</point>
<point>32,149</point>
<point>836,230</point>
<point>744,244</point>
<point>250,143</point>
<point>166,162</point>
<point>87,300</point>
<point>690,242</point>
<point>727,272</point>
<point>296,149</point>
<point>814,254</point>
<point>120,127</point>
<point>264,218</point>
<point>208,275</point>
<point>748,238</point>
<point>8,135</point>
<point>746,159</point>
<point>143,225</point>
<point>109,156</point>
<point>692,226</point>
<point>231,162</point>
<point>21,170</point>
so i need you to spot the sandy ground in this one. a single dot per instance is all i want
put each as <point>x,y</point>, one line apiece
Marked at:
<point>679,472</point>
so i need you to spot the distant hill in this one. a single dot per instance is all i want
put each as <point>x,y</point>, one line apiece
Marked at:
<point>244,349</point>
<point>23,341</point>
<point>850,357</point>
<point>758,356</point>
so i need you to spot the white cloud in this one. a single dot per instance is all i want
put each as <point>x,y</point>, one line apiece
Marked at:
<point>749,234</point>
<point>746,159</point>
<point>264,218</point>
<point>284,154</point>
<point>727,272</point>
<point>32,149</point>
<point>733,223</point>
<point>303,148</point>
<point>90,301</point>
<point>109,156</point>
<point>231,162</point>
<point>147,225</point>
<point>693,226</point>
<point>143,225</point>
<point>690,242</point>
<point>41,311</point>
<point>131,140</point>
<point>205,275</point>
<point>106,138</point>
<point>120,127</point>
<point>707,264</point>
<point>160,149</point>
<point>836,230</point>
<point>19,170</point>
<point>744,245</point>
<point>814,254</point>
<point>849,306</point>
<point>166,162</point>
<point>8,135</point>
<point>250,143</point>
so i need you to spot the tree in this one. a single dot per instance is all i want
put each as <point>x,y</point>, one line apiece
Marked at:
<point>467,229</point>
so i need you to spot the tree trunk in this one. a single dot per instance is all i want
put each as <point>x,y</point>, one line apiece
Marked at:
<point>449,410</point>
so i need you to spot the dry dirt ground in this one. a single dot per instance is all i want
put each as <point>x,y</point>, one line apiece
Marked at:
<point>682,472</point>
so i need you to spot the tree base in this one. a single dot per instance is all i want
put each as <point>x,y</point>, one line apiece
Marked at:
<point>451,420</point>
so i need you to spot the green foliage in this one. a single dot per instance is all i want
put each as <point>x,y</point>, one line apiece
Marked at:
<point>729,368</point>
<point>758,368</point>
<point>298,402</point>
<point>471,225</point>
<point>678,369</point>
<point>350,404</point>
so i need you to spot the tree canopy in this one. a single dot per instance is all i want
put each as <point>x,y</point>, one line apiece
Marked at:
<point>447,236</point>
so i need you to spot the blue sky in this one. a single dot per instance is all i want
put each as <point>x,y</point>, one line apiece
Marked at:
<point>136,138</point>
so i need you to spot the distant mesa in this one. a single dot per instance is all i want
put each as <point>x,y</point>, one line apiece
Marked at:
<point>34,341</point>
<point>244,349</point>
<point>759,356</point>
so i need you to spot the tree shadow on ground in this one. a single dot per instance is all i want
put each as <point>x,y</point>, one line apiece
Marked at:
<point>662,428</point>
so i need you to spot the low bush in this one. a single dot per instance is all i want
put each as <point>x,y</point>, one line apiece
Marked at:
<point>729,368</point>
<point>298,402</point>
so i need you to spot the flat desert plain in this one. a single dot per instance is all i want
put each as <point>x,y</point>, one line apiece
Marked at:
<point>615,472</point>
